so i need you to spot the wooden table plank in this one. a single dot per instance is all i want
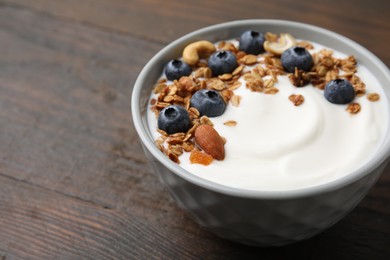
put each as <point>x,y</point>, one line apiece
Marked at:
<point>70,111</point>
<point>363,21</point>
<point>37,223</point>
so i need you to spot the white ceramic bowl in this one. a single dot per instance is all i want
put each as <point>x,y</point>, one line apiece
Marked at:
<point>262,218</point>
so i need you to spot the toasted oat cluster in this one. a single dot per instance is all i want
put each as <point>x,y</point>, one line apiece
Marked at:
<point>259,73</point>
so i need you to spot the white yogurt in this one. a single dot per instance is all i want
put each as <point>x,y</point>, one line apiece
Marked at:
<point>278,146</point>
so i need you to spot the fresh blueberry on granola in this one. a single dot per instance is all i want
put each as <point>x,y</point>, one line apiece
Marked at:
<point>222,62</point>
<point>252,42</point>
<point>339,91</point>
<point>297,57</point>
<point>174,119</point>
<point>175,69</point>
<point>208,103</point>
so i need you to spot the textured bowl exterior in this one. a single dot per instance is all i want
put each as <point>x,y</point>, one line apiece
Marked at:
<point>259,218</point>
<point>264,222</point>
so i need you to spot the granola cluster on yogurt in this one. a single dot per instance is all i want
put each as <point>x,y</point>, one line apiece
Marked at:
<point>198,87</point>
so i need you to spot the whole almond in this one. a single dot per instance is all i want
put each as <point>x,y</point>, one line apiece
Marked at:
<point>210,141</point>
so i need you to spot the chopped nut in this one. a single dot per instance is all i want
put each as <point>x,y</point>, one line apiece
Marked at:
<point>353,108</point>
<point>297,99</point>
<point>373,97</point>
<point>210,141</point>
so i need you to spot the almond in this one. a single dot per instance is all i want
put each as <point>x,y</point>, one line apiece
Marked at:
<point>210,141</point>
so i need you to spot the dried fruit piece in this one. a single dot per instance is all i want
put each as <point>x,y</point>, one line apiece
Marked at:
<point>200,157</point>
<point>210,141</point>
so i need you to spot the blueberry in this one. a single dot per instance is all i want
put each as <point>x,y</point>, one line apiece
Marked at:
<point>252,42</point>
<point>222,62</point>
<point>175,69</point>
<point>339,91</point>
<point>208,102</point>
<point>297,57</point>
<point>174,119</point>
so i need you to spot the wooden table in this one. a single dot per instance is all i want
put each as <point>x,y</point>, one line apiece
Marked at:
<point>74,183</point>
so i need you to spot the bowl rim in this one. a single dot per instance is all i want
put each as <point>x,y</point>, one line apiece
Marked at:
<point>378,160</point>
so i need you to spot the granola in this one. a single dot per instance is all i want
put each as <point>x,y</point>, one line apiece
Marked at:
<point>259,73</point>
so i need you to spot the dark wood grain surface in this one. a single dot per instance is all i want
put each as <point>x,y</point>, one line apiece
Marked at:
<point>73,182</point>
